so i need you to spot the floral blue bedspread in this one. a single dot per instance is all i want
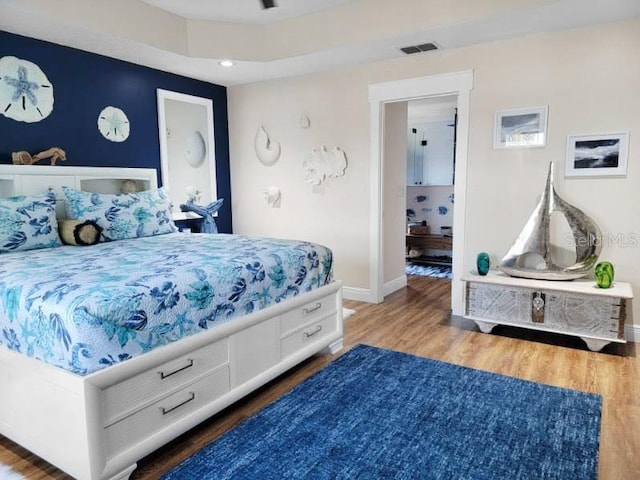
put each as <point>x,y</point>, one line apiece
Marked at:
<point>85,308</point>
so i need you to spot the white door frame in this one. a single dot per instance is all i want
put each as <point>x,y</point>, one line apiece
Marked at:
<point>456,83</point>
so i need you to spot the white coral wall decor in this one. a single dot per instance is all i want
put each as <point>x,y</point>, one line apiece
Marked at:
<point>272,196</point>
<point>267,151</point>
<point>26,94</point>
<point>323,164</point>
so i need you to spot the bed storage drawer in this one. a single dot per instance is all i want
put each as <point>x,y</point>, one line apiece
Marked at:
<point>127,396</point>
<point>130,430</point>
<point>307,334</point>
<point>293,320</point>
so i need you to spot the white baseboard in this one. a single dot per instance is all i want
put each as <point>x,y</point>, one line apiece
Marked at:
<point>394,285</point>
<point>365,294</point>
<point>632,333</point>
<point>358,294</point>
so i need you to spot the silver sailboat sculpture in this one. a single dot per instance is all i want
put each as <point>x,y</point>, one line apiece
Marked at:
<point>534,240</point>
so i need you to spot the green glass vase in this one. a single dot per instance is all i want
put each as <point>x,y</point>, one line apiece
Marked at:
<point>604,274</point>
<point>483,262</point>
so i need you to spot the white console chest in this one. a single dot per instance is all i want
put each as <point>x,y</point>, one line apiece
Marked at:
<point>576,307</point>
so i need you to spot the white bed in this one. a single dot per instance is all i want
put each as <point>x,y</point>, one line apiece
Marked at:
<point>97,426</point>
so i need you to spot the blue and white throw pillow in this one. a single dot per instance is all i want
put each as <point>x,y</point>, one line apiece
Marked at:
<point>122,215</point>
<point>28,222</point>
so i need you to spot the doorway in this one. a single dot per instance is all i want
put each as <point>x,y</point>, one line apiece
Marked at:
<point>457,84</point>
<point>430,195</point>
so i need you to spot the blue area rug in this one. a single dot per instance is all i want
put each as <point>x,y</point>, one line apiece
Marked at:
<point>428,270</point>
<point>375,414</point>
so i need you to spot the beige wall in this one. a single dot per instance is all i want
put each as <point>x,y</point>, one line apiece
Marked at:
<point>588,78</point>
<point>395,190</point>
<point>335,213</point>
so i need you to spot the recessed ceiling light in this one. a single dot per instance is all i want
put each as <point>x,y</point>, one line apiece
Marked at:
<point>226,63</point>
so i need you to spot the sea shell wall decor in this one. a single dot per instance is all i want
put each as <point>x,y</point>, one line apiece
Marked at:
<point>196,149</point>
<point>534,240</point>
<point>267,151</point>
<point>26,94</point>
<point>305,121</point>
<point>272,195</point>
<point>323,164</point>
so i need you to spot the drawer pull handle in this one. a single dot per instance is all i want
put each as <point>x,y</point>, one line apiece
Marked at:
<point>317,306</point>
<point>192,397</point>
<point>188,365</point>
<point>317,330</point>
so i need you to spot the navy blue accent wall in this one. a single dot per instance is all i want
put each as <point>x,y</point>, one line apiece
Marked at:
<point>84,83</point>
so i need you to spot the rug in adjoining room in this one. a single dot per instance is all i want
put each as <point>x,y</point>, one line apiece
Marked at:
<point>375,413</point>
<point>437,271</point>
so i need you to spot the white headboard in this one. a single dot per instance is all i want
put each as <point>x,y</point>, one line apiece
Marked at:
<point>34,179</point>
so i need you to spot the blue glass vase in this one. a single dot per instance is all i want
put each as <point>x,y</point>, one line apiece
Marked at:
<point>483,262</point>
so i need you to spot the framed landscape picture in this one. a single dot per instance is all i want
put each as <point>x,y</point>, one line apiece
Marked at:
<point>597,155</point>
<point>520,128</point>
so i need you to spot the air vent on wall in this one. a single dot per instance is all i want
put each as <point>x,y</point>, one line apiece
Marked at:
<point>423,47</point>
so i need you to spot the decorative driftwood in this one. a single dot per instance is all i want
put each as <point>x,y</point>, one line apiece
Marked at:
<point>24,158</point>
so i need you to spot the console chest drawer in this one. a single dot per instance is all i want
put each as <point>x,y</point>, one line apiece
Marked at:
<point>561,311</point>
<point>576,307</point>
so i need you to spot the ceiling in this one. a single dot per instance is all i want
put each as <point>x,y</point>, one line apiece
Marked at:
<point>243,11</point>
<point>298,37</point>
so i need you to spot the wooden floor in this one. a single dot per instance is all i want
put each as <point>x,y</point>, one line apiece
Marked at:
<point>416,320</point>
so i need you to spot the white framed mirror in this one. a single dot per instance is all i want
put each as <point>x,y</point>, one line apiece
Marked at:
<point>187,149</point>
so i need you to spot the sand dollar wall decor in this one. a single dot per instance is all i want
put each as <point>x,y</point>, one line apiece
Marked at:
<point>26,94</point>
<point>267,151</point>
<point>113,124</point>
